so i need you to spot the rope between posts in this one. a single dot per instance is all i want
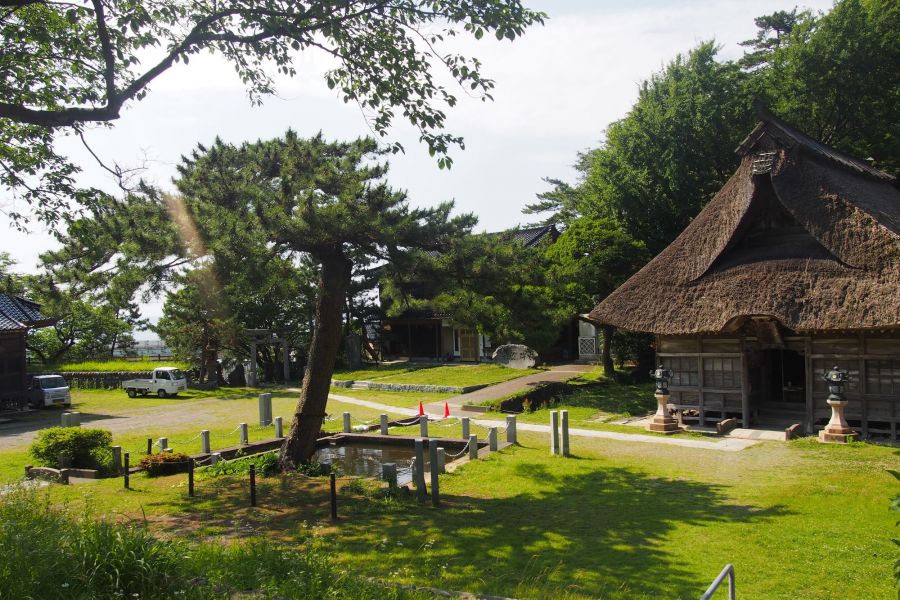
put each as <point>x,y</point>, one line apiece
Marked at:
<point>412,421</point>
<point>181,443</point>
<point>232,432</point>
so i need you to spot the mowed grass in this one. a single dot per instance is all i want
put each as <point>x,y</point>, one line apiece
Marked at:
<point>398,399</point>
<point>374,371</point>
<point>618,520</point>
<point>134,420</point>
<point>460,375</point>
<point>115,365</point>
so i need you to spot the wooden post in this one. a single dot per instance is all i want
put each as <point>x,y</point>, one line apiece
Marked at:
<point>465,427</point>
<point>252,485</point>
<point>117,458</point>
<point>419,471</point>
<point>384,425</point>
<point>346,422</point>
<point>191,477</point>
<point>149,445</point>
<point>810,401</point>
<point>435,472</point>
<point>745,388</point>
<point>332,487</point>
<point>863,402</point>
<point>126,473</point>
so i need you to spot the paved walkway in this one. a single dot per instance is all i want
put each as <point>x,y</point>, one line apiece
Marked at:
<point>501,390</point>
<point>725,444</point>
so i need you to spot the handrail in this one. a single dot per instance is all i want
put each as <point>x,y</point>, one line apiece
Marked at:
<point>729,571</point>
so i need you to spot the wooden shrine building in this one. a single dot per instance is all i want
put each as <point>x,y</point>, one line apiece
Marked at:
<point>17,316</point>
<point>792,268</point>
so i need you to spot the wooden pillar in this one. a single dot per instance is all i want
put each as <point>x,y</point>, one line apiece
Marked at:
<point>700,398</point>
<point>745,387</point>
<point>863,403</point>
<point>810,406</point>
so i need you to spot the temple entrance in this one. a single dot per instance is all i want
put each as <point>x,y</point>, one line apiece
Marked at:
<point>777,386</point>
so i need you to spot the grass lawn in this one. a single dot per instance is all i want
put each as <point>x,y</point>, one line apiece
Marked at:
<point>133,420</point>
<point>376,371</point>
<point>459,375</point>
<point>619,521</point>
<point>399,399</point>
<point>114,365</point>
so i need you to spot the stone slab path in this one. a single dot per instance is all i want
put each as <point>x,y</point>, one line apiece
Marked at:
<point>725,444</point>
<point>501,390</point>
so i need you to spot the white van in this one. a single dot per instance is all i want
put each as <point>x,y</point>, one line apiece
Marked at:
<point>49,390</point>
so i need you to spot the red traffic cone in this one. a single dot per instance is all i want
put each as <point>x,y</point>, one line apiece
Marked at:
<point>421,409</point>
<point>446,410</point>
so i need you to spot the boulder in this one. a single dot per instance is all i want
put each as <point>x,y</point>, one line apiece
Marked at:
<point>515,356</point>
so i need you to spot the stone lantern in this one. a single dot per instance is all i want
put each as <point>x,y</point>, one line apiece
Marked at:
<point>662,422</point>
<point>837,430</point>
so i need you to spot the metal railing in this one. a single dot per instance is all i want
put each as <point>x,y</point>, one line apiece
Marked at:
<point>728,571</point>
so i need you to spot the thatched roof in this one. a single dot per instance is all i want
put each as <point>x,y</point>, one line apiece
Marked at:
<point>801,233</point>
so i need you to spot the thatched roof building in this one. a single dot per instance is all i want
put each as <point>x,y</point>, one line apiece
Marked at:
<point>800,245</point>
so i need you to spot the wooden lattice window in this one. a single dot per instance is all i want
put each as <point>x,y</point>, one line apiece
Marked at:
<point>684,369</point>
<point>883,377</point>
<point>722,373</point>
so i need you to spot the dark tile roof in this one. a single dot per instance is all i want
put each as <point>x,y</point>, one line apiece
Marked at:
<point>532,235</point>
<point>18,314</point>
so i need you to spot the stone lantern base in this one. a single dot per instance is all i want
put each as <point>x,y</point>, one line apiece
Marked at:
<point>661,421</point>
<point>838,431</point>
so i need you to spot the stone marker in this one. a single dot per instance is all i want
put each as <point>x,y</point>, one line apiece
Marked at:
<point>346,422</point>
<point>384,427</point>
<point>279,428</point>
<point>554,432</point>
<point>389,474</point>
<point>515,356</point>
<point>423,425</point>
<point>473,447</point>
<point>204,441</point>
<point>511,429</point>
<point>435,472</point>
<point>419,470</point>
<point>492,439</point>
<point>163,444</point>
<point>442,460</point>
<point>565,432</point>
<point>265,409</point>
<point>465,427</point>
<point>245,435</point>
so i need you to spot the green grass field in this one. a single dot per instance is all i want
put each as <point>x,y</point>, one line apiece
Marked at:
<point>112,365</point>
<point>617,520</point>
<point>398,399</point>
<point>449,375</point>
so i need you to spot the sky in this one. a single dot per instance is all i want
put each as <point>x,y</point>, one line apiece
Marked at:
<point>557,89</point>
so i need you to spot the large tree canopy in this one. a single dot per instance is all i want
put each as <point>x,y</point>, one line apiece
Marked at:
<point>67,64</point>
<point>327,202</point>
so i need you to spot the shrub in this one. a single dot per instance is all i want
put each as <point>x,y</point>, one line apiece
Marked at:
<point>88,448</point>
<point>165,463</point>
<point>266,465</point>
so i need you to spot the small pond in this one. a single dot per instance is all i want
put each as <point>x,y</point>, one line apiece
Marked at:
<point>365,459</point>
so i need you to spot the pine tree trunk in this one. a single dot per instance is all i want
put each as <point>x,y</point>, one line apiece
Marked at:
<point>606,357</point>
<point>334,279</point>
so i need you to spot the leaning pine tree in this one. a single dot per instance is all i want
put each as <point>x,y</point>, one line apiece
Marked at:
<point>330,201</point>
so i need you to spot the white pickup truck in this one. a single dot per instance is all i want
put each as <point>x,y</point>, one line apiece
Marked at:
<point>166,381</point>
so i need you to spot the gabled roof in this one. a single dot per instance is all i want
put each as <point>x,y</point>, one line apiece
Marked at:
<point>531,236</point>
<point>18,314</point>
<point>801,233</point>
